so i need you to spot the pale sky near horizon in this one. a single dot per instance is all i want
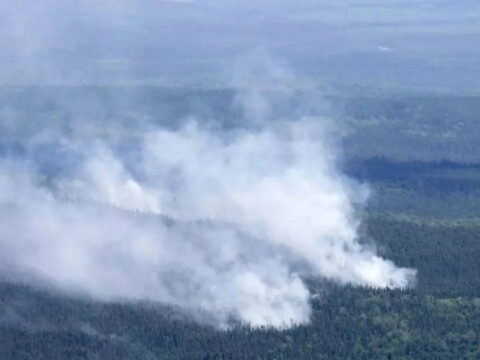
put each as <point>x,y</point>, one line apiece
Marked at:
<point>134,36</point>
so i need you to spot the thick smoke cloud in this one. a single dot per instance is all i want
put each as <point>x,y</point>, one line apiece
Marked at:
<point>222,222</point>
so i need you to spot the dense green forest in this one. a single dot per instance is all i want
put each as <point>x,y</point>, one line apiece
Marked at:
<point>438,319</point>
<point>421,159</point>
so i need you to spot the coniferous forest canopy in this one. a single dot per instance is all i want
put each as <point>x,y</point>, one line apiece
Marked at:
<point>399,97</point>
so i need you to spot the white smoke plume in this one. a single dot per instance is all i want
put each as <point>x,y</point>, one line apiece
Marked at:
<point>225,222</point>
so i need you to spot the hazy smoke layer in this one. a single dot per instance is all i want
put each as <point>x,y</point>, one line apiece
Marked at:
<point>225,222</point>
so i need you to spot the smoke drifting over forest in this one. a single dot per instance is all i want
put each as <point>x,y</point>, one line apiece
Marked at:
<point>226,221</point>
